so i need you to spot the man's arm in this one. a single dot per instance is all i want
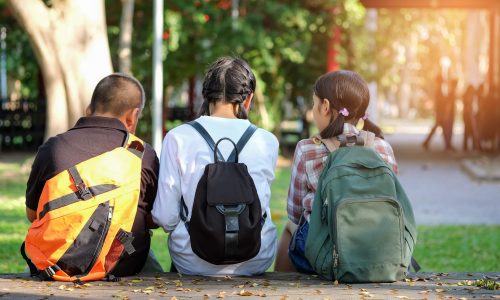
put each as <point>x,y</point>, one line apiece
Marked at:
<point>30,214</point>
<point>36,181</point>
<point>149,178</point>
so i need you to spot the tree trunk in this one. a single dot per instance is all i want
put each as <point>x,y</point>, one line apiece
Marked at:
<point>71,45</point>
<point>126,28</point>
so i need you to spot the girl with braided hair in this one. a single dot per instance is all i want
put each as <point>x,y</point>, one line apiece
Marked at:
<point>228,89</point>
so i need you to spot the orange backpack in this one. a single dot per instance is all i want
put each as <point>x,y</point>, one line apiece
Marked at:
<point>85,217</point>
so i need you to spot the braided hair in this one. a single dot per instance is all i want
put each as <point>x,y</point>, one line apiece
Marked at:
<point>230,80</point>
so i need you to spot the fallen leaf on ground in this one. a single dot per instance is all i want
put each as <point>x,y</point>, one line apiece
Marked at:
<point>260,294</point>
<point>245,293</point>
<point>221,295</point>
<point>178,283</point>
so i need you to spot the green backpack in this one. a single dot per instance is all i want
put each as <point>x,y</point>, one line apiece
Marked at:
<point>362,227</point>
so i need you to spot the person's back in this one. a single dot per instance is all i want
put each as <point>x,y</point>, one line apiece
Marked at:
<point>340,99</point>
<point>228,91</point>
<point>111,117</point>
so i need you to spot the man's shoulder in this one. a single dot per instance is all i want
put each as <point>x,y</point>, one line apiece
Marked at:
<point>150,153</point>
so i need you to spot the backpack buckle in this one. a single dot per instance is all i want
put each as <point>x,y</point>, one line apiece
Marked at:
<point>48,273</point>
<point>232,225</point>
<point>83,191</point>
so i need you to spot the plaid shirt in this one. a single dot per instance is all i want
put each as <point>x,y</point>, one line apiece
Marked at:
<point>309,158</point>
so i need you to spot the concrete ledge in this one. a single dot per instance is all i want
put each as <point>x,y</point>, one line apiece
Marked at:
<point>269,285</point>
<point>483,168</point>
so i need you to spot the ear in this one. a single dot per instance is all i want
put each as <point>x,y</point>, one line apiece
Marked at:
<point>130,119</point>
<point>247,102</point>
<point>325,107</point>
<point>88,111</point>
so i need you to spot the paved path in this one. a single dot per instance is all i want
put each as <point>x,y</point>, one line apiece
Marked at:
<point>440,190</point>
<point>282,286</point>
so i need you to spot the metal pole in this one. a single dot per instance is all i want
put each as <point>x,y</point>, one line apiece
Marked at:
<point>3,66</point>
<point>235,13</point>
<point>371,25</point>
<point>157,110</point>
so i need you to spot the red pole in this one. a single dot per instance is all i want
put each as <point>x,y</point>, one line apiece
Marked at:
<point>332,63</point>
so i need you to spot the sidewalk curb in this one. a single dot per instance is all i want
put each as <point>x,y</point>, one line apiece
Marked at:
<point>487,169</point>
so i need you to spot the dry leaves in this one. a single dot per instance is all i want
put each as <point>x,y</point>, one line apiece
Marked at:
<point>221,294</point>
<point>65,288</point>
<point>245,293</point>
<point>178,283</point>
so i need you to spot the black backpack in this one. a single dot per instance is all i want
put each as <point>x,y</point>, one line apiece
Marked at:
<point>226,220</point>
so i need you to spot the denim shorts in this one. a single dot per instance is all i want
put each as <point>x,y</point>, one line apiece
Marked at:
<point>297,248</point>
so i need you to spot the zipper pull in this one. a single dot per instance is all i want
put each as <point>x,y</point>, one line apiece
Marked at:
<point>110,213</point>
<point>335,257</point>
<point>324,210</point>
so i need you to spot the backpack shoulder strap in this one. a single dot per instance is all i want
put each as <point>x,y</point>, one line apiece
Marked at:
<point>197,126</point>
<point>134,144</point>
<point>348,141</point>
<point>242,142</point>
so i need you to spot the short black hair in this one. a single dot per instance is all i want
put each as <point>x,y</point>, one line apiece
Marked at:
<point>117,93</point>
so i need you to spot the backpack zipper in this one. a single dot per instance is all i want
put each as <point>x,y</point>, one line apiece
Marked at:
<point>324,211</point>
<point>335,257</point>
<point>101,242</point>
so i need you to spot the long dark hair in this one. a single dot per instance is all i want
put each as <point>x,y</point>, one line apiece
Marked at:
<point>344,90</point>
<point>228,79</point>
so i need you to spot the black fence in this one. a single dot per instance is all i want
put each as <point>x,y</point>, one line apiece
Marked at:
<point>22,128</point>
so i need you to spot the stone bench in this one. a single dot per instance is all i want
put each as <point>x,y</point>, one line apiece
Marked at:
<point>269,285</point>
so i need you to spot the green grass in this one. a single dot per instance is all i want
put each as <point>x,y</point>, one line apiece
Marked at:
<point>443,248</point>
<point>458,248</point>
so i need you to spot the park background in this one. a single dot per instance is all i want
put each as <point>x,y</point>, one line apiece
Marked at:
<point>54,52</point>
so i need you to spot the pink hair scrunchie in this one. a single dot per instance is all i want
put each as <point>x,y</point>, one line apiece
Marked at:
<point>344,112</point>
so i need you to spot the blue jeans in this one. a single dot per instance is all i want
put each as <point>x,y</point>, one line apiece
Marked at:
<point>297,248</point>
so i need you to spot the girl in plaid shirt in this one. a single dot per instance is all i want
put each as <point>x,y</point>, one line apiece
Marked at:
<point>340,100</point>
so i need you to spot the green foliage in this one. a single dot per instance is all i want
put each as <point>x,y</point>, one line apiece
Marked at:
<point>409,45</point>
<point>285,42</point>
<point>20,58</point>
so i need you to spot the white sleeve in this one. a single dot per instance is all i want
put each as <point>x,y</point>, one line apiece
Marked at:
<point>166,206</point>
